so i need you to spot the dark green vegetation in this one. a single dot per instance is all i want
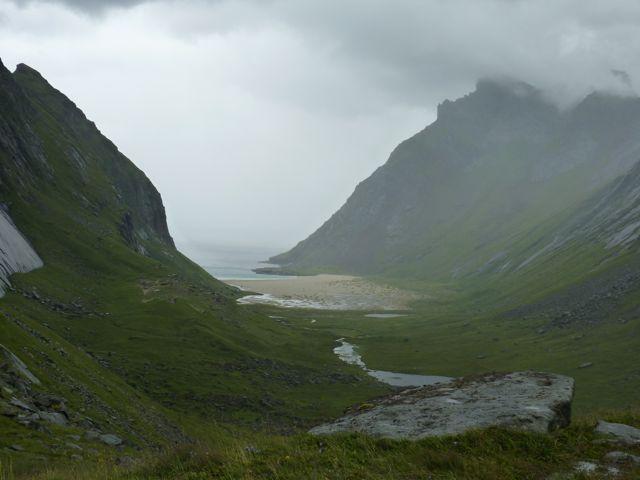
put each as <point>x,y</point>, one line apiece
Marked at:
<point>481,455</point>
<point>135,340</point>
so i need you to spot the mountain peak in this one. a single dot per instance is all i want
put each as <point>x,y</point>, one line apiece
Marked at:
<point>25,74</point>
<point>505,86</point>
<point>23,68</point>
<point>4,71</point>
<point>496,97</point>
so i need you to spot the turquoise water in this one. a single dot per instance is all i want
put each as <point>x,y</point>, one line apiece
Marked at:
<point>230,272</point>
<point>234,263</point>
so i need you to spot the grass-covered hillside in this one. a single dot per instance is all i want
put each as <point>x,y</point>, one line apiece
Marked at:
<point>125,335</point>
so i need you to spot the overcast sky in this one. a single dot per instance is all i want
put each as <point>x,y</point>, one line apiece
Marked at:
<point>256,119</point>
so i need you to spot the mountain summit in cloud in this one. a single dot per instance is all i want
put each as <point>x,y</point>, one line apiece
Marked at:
<point>473,192</point>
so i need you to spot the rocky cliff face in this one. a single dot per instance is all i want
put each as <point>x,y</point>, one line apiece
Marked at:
<point>47,144</point>
<point>455,197</point>
<point>16,255</point>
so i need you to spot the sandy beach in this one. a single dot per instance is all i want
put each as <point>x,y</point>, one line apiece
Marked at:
<point>336,292</point>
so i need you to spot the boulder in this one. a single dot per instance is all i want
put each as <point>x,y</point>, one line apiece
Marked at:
<point>530,401</point>
<point>619,432</point>
<point>53,417</point>
<point>585,467</point>
<point>16,402</point>
<point>622,457</point>
<point>110,439</point>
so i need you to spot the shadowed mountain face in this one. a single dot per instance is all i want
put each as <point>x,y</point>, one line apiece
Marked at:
<point>466,194</point>
<point>47,144</point>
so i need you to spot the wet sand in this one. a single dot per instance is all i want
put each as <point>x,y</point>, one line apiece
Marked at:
<point>335,292</point>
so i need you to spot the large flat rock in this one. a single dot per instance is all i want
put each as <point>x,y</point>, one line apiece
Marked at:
<point>531,401</point>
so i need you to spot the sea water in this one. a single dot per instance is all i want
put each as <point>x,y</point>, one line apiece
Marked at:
<point>235,263</point>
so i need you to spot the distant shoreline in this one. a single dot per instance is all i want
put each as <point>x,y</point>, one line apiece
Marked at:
<point>281,271</point>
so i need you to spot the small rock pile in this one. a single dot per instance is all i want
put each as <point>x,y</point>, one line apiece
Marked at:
<point>614,462</point>
<point>21,400</point>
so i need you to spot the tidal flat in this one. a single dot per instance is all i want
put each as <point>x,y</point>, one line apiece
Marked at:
<point>326,292</point>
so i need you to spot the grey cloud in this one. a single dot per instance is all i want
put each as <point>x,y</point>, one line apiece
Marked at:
<point>88,6</point>
<point>421,51</point>
<point>100,6</point>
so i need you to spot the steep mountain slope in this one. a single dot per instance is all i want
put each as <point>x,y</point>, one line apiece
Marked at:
<point>453,200</point>
<point>47,137</point>
<point>588,256</point>
<point>118,337</point>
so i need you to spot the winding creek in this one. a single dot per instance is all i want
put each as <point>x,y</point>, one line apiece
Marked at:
<point>348,353</point>
<point>338,292</point>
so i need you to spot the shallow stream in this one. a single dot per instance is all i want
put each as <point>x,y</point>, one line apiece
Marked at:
<point>347,353</point>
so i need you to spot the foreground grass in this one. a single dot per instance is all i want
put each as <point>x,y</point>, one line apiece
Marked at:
<point>480,455</point>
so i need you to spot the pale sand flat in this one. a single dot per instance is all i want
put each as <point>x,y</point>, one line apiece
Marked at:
<point>329,291</point>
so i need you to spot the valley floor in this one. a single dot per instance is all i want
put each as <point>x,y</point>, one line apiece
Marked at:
<point>274,372</point>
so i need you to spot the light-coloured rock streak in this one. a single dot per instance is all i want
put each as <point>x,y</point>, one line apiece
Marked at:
<point>16,254</point>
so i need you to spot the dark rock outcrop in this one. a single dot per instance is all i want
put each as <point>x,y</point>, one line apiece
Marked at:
<point>12,365</point>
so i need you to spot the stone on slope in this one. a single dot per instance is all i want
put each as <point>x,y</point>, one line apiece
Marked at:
<point>531,401</point>
<point>619,432</point>
<point>110,439</point>
<point>585,467</point>
<point>53,417</point>
<point>622,457</point>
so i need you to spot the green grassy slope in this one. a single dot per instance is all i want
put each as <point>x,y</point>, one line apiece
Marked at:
<point>137,339</point>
